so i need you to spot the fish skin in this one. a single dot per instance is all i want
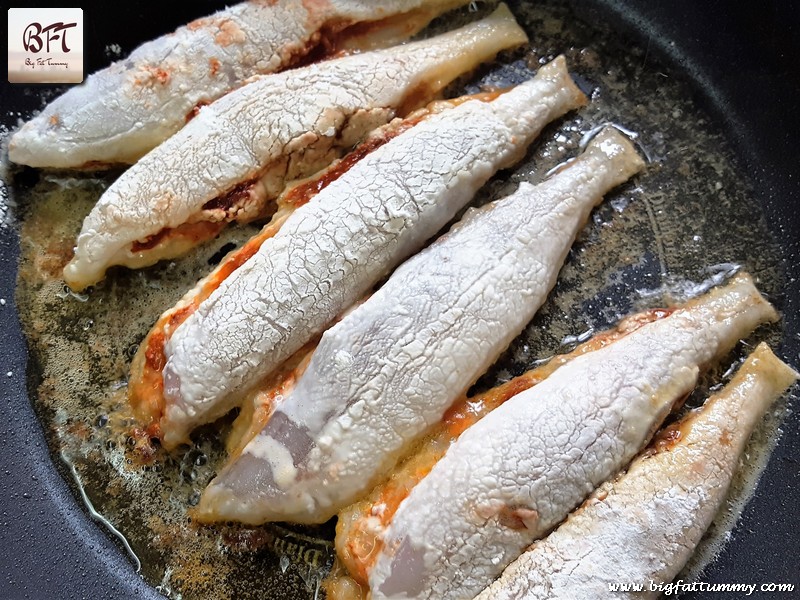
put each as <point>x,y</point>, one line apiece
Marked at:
<point>331,251</point>
<point>268,130</point>
<point>644,526</point>
<point>389,370</point>
<point>123,111</point>
<point>514,475</point>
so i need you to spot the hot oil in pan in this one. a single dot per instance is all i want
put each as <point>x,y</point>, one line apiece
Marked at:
<point>687,222</point>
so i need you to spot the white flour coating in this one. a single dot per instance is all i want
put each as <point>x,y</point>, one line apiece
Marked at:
<point>290,124</point>
<point>128,108</point>
<point>388,371</point>
<point>332,250</point>
<point>517,473</point>
<point>644,526</point>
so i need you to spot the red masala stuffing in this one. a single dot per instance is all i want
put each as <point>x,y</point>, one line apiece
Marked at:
<point>197,232</point>
<point>214,66</point>
<point>302,193</point>
<point>154,355</point>
<point>196,109</point>
<point>238,193</point>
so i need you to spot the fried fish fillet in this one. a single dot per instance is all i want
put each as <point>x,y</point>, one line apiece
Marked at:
<point>642,527</point>
<point>128,108</point>
<point>360,526</point>
<point>146,384</point>
<point>232,160</point>
<point>518,472</point>
<point>330,251</point>
<point>390,369</point>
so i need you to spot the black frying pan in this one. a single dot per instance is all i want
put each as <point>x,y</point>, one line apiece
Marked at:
<point>743,61</point>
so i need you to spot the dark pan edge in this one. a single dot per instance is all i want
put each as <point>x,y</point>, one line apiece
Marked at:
<point>52,548</point>
<point>753,95</point>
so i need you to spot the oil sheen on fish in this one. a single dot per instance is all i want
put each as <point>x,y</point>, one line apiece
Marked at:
<point>128,108</point>
<point>232,160</point>
<point>642,527</point>
<point>331,251</point>
<point>390,369</point>
<point>518,472</point>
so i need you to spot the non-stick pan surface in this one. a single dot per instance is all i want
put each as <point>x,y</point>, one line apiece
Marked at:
<point>743,61</point>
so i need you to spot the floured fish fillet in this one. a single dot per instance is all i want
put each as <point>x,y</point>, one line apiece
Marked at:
<point>518,472</point>
<point>389,370</point>
<point>128,108</point>
<point>643,527</point>
<point>146,384</point>
<point>235,157</point>
<point>331,251</point>
<point>360,526</point>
